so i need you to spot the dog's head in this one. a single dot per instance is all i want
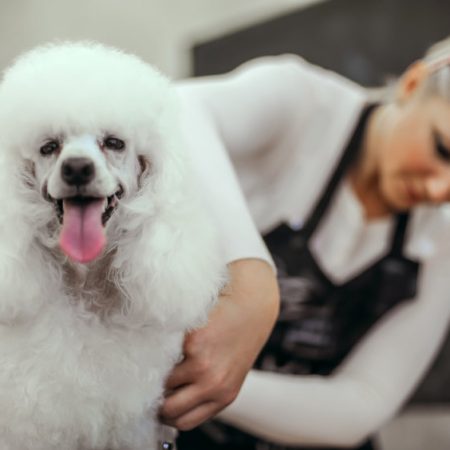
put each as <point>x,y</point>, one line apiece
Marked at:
<point>84,177</point>
<point>88,125</point>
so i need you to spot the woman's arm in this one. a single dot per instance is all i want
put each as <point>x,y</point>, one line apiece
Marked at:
<point>218,357</point>
<point>366,390</point>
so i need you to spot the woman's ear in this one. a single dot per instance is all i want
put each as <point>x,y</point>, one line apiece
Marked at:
<point>412,78</point>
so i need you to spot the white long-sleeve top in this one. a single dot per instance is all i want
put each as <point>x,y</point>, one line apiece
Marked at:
<point>282,125</point>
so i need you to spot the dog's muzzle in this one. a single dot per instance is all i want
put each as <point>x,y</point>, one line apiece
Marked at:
<point>82,210</point>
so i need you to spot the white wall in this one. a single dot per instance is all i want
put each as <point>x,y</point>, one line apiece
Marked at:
<point>161,31</point>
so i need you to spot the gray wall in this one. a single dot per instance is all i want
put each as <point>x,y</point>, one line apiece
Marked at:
<point>160,31</point>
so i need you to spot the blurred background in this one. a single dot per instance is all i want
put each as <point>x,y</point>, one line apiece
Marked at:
<point>161,31</point>
<point>365,40</point>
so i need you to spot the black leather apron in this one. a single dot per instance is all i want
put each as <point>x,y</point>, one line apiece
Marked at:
<point>320,321</point>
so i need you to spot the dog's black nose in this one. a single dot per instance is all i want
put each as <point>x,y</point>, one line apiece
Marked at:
<point>77,171</point>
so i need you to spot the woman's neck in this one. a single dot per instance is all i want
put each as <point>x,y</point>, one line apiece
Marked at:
<point>364,174</point>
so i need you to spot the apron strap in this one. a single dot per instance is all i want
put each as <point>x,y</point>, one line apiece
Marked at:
<point>349,155</point>
<point>399,234</point>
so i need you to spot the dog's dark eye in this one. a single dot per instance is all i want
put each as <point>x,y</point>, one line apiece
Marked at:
<point>114,143</point>
<point>49,148</point>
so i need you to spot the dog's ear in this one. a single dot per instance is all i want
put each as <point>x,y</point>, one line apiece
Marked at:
<point>145,169</point>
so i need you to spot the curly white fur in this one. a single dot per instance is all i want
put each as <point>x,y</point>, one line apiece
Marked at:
<point>84,350</point>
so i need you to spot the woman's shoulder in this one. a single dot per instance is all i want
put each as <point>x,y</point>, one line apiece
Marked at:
<point>276,65</point>
<point>284,72</point>
<point>295,65</point>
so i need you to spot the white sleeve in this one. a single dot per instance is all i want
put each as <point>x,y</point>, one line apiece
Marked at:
<point>254,106</point>
<point>365,391</point>
<point>218,184</point>
<point>241,112</point>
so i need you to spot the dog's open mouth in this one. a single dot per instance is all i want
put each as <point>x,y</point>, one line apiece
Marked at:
<point>110,204</point>
<point>83,218</point>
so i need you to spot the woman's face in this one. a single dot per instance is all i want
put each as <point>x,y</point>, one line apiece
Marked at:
<point>414,166</point>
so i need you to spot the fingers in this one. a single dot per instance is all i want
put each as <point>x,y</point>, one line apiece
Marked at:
<point>183,401</point>
<point>184,373</point>
<point>194,417</point>
<point>197,364</point>
<point>190,370</point>
<point>180,402</point>
<point>188,407</point>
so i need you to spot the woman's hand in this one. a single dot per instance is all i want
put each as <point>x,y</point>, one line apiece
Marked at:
<point>218,357</point>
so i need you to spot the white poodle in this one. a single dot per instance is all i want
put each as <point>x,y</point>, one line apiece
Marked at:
<point>106,256</point>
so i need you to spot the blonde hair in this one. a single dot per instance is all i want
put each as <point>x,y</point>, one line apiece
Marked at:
<point>437,59</point>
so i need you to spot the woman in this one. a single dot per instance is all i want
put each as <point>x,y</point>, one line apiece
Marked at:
<point>348,194</point>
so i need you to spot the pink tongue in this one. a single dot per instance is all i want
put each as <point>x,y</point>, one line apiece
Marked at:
<point>82,237</point>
